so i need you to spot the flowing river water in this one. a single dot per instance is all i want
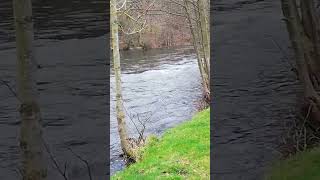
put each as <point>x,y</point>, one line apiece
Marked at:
<point>254,89</point>
<point>163,84</point>
<point>255,93</point>
<point>70,48</point>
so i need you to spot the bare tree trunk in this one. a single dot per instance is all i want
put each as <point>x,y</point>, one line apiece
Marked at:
<point>301,27</point>
<point>33,161</point>
<point>122,128</point>
<point>198,18</point>
<point>205,43</point>
<point>311,30</point>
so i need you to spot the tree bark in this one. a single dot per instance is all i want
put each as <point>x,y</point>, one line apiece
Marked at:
<point>198,18</point>
<point>205,32</point>
<point>300,27</point>
<point>33,161</point>
<point>122,128</point>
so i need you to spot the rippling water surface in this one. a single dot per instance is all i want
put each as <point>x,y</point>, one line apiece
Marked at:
<point>255,91</point>
<point>70,42</point>
<point>71,46</point>
<point>162,83</point>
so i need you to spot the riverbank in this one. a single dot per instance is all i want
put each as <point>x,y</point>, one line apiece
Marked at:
<point>182,152</point>
<point>304,165</point>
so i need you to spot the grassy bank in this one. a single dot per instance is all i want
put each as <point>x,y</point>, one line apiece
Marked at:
<point>182,152</point>
<point>302,166</point>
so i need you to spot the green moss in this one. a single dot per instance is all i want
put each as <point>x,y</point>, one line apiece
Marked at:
<point>302,166</point>
<point>183,152</point>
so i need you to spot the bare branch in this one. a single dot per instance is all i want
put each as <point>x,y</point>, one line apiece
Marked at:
<point>10,89</point>
<point>56,164</point>
<point>83,160</point>
<point>18,171</point>
<point>131,119</point>
<point>143,24</point>
<point>123,4</point>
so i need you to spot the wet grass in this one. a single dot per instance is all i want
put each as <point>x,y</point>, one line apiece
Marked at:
<point>302,166</point>
<point>182,152</point>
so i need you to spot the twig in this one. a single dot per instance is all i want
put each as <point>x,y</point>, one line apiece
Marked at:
<point>65,168</point>
<point>281,50</point>
<point>140,138</point>
<point>10,89</point>
<point>131,119</point>
<point>62,173</point>
<point>123,4</point>
<point>83,160</point>
<point>18,171</point>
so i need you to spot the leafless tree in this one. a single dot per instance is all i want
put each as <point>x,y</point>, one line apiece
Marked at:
<point>116,9</point>
<point>303,26</point>
<point>33,161</point>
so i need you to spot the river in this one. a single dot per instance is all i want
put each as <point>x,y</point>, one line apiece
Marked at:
<point>161,83</point>
<point>70,47</point>
<point>254,90</point>
<point>71,50</point>
<point>255,93</point>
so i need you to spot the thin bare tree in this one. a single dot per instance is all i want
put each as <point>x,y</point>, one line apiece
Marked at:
<point>197,13</point>
<point>33,161</point>
<point>304,31</point>
<point>123,8</point>
<point>122,128</point>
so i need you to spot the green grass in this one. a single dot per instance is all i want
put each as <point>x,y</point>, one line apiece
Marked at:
<point>302,166</point>
<point>182,152</point>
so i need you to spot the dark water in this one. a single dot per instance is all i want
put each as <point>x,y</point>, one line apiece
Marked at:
<point>162,83</point>
<point>70,47</point>
<point>255,91</point>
